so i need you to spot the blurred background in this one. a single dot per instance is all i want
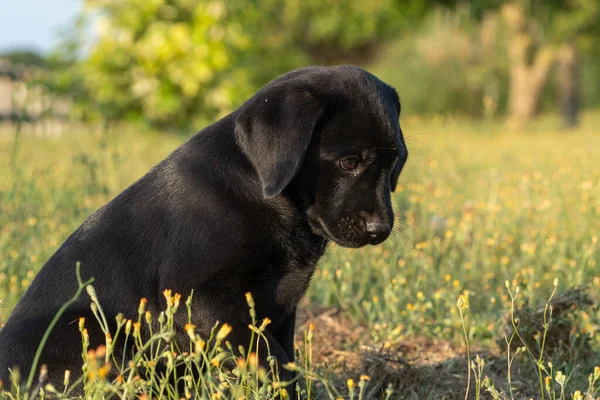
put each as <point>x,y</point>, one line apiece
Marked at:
<point>176,64</point>
<point>501,108</point>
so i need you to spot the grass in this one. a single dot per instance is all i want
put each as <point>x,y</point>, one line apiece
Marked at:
<point>485,216</point>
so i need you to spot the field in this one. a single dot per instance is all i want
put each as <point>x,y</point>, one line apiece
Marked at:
<point>480,213</point>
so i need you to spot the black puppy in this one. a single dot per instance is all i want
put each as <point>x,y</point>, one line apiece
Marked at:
<point>246,205</point>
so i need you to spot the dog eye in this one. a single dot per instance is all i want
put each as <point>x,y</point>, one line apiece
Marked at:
<point>349,163</point>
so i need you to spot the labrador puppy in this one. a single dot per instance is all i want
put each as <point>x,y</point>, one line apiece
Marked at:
<point>248,204</point>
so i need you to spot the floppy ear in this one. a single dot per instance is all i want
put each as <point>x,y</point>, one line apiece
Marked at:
<point>402,152</point>
<point>402,157</point>
<point>274,130</point>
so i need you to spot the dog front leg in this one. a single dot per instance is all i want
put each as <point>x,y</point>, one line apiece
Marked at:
<point>285,333</point>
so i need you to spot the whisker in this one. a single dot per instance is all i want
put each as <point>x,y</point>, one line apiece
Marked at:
<point>401,232</point>
<point>419,133</point>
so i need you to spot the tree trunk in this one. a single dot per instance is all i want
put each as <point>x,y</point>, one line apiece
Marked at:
<point>526,81</point>
<point>568,85</point>
<point>527,78</point>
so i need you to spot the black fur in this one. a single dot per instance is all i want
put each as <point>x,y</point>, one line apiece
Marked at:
<point>246,205</point>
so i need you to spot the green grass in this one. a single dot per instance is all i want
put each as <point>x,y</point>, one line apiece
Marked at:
<point>477,207</point>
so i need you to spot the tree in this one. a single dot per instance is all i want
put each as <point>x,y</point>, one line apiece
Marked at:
<point>573,24</point>
<point>542,34</point>
<point>530,64</point>
<point>24,57</point>
<point>180,61</point>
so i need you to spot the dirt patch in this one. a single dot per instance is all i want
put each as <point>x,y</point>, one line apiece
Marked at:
<point>337,340</point>
<point>417,369</point>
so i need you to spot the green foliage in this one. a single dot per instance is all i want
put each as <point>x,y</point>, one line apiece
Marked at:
<point>175,61</point>
<point>24,57</point>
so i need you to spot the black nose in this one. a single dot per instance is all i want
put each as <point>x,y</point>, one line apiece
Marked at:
<point>378,230</point>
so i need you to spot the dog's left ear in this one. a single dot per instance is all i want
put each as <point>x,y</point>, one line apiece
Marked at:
<point>274,130</point>
<point>402,152</point>
<point>402,156</point>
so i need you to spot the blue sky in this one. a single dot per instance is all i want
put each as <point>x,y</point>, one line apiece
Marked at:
<point>34,24</point>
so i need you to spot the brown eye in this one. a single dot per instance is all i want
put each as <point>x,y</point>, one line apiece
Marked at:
<point>349,164</point>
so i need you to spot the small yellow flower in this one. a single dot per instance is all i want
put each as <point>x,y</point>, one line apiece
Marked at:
<point>189,329</point>
<point>128,327</point>
<point>137,329</point>
<point>101,351</point>
<point>264,324</point>
<point>577,395</point>
<point>67,377</point>
<point>250,300</point>
<point>223,332</point>
<point>199,346</point>
<point>104,371</point>
<point>463,302</point>
<point>252,360</point>
<point>216,360</point>
<point>176,300</point>
<point>310,334</point>
<point>142,307</point>
<point>365,378</point>
<point>560,378</point>
<point>168,296</point>
<point>241,363</point>
<point>350,384</point>
<point>422,245</point>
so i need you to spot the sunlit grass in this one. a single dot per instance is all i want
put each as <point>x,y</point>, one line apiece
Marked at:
<point>476,206</point>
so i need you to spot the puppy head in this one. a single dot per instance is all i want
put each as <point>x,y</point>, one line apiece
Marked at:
<point>329,138</point>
